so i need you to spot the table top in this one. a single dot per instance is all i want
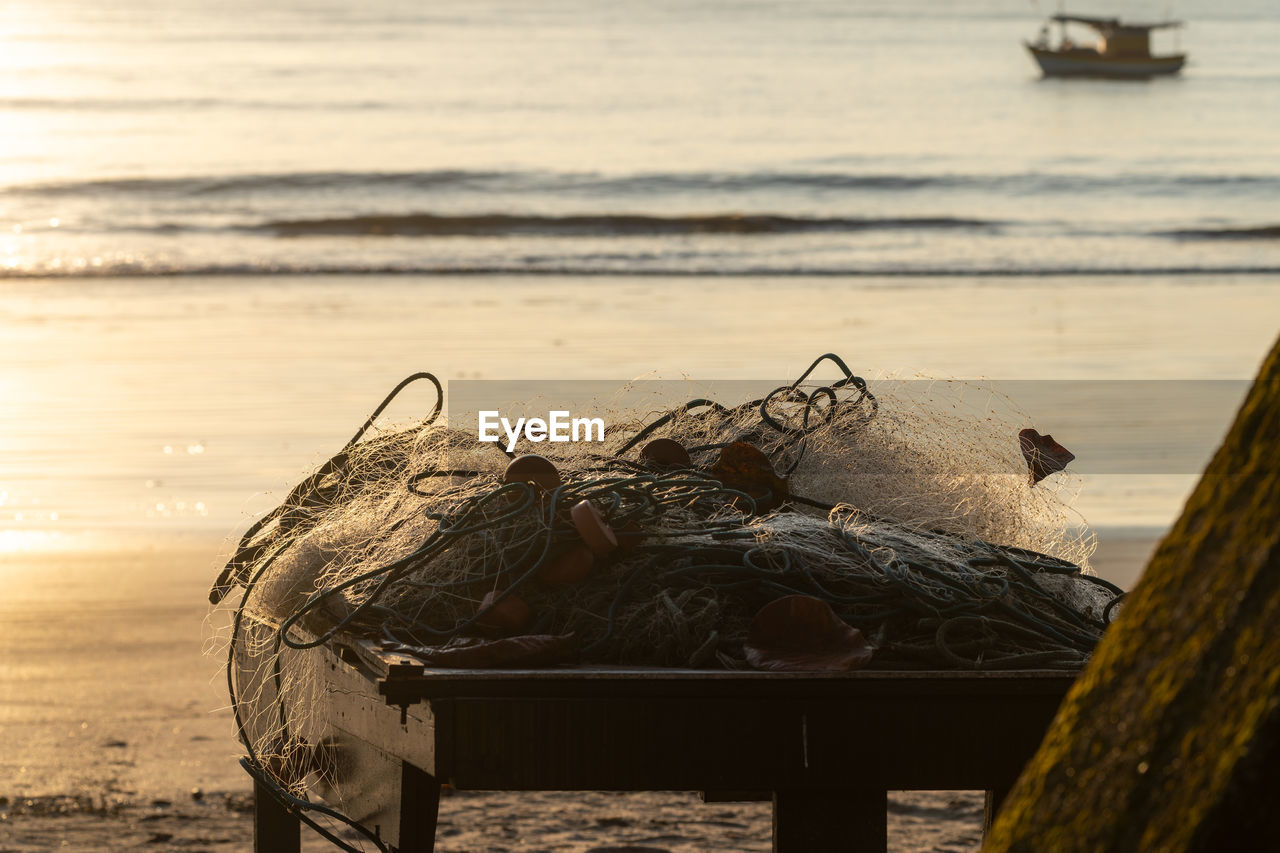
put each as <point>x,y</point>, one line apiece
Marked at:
<point>404,680</point>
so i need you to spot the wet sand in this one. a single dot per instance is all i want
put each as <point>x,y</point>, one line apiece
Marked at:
<point>115,735</point>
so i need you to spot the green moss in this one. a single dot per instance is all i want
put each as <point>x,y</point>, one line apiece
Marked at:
<point>1149,742</point>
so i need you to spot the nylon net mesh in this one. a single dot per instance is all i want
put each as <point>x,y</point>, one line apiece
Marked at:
<point>914,518</point>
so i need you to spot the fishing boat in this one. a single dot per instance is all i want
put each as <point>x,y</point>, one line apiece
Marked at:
<point>1121,50</point>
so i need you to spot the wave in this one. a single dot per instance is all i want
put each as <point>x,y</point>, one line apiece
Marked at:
<point>1261,232</point>
<point>585,270</point>
<point>132,104</point>
<point>639,184</point>
<point>610,225</point>
<point>239,184</point>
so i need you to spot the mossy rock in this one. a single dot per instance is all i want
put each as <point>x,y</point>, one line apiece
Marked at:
<point>1170,739</point>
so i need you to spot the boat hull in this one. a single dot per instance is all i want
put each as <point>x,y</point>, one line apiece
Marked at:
<point>1090,63</point>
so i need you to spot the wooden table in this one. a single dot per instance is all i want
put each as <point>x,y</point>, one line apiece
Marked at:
<point>825,748</point>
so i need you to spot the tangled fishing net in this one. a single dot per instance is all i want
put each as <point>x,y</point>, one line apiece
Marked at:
<point>897,534</point>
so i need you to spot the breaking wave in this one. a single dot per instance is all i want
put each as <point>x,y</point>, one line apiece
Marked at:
<point>600,267</point>
<point>603,225</point>
<point>640,184</point>
<point>1262,232</point>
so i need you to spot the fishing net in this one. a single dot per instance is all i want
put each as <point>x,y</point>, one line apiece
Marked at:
<point>913,521</point>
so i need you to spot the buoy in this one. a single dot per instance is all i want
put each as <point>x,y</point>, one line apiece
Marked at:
<point>745,467</point>
<point>535,469</point>
<point>510,615</point>
<point>594,530</point>
<point>667,453</point>
<point>569,568</point>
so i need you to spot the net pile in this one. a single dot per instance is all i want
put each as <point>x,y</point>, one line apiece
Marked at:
<point>885,508</point>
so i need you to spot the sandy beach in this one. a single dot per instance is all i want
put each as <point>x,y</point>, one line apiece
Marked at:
<point>116,733</point>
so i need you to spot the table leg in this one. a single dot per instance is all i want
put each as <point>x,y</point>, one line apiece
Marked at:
<point>275,830</point>
<point>419,810</point>
<point>848,820</point>
<point>994,799</point>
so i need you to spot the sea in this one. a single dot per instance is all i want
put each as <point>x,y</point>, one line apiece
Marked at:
<point>228,228</point>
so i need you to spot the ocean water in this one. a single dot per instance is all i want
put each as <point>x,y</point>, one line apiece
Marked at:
<point>570,136</point>
<point>227,228</point>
